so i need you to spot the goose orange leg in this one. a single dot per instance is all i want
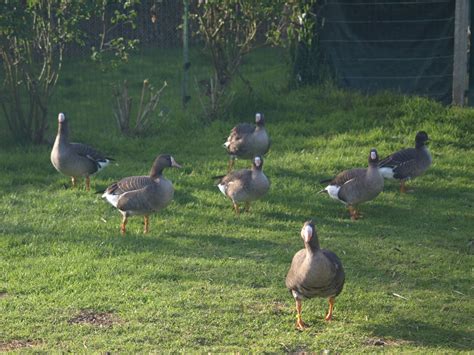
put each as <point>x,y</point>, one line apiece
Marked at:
<point>403,188</point>
<point>353,212</point>
<point>300,325</point>
<point>230,166</point>
<point>236,208</point>
<point>331,301</point>
<point>123,225</point>
<point>147,224</point>
<point>88,183</point>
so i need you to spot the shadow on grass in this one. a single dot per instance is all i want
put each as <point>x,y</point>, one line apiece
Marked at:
<point>423,333</point>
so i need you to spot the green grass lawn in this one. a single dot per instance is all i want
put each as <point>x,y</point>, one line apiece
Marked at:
<point>206,280</point>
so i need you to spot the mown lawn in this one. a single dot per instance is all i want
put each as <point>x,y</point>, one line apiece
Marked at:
<point>207,280</point>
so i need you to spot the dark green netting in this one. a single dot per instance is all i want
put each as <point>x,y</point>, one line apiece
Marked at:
<point>404,46</point>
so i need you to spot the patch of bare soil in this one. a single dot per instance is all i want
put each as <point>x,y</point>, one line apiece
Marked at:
<point>3,294</point>
<point>278,307</point>
<point>100,319</point>
<point>17,344</point>
<point>385,342</point>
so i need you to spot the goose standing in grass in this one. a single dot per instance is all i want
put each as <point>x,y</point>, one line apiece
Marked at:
<point>314,272</point>
<point>143,195</point>
<point>247,141</point>
<point>75,159</point>
<point>407,163</point>
<point>245,185</point>
<point>355,186</point>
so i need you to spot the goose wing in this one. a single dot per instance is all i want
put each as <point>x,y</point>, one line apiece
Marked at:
<point>349,181</point>
<point>346,176</point>
<point>129,184</point>
<point>241,130</point>
<point>337,273</point>
<point>144,199</point>
<point>235,143</point>
<point>402,163</point>
<point>234,176</point>
<point>85,151</point>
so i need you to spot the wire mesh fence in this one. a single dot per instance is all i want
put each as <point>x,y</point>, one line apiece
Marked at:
<point>404,46</point>
<point>157,24</point>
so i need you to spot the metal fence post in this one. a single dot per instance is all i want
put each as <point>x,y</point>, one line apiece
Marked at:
<point>186,63</point>
<point>460,64</point>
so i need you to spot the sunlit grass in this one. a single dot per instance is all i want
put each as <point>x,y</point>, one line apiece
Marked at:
<point>206,280</point>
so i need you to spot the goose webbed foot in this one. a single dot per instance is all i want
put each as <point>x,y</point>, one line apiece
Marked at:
<point>404,189</point>
<point>355,215</point>
<point>300,325</point>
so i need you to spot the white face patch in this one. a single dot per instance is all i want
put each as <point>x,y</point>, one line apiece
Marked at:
<point>258,117</point>
<point>61,117</point>
<point>257,161</point>
<point>373,155</point>
<point>307,233</point>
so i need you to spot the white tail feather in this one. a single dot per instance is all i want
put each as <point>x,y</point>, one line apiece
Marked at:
<point>112,199</point>
<point>387,173</point>
<point>333,191</point>
<point>103,163</point>
<point>223,188</point>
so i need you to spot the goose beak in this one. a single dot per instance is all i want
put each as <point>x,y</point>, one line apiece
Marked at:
<point>174,163</point>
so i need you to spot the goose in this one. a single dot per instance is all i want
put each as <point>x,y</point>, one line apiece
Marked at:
<point>314,272</point>
<point>142,195</point>
<point>354,186</point>
<point>407,163</point>
<point>245,185</point>
<point>75,159</point>
<point>247,141</point>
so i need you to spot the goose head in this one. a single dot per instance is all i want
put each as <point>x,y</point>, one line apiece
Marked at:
<point>61,118</point>
<point>257,163</point>
<point>259,119</point>
<point>62,125</point>
<point>421,139</point>
<point>161,162</point>
<point>373,157</point>
<point>308,233</point>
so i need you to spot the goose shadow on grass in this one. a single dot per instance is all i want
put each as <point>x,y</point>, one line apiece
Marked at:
<point>212,246</point>
<point>202,253</point>
<point>176,244</point>
<point>424,334</point>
